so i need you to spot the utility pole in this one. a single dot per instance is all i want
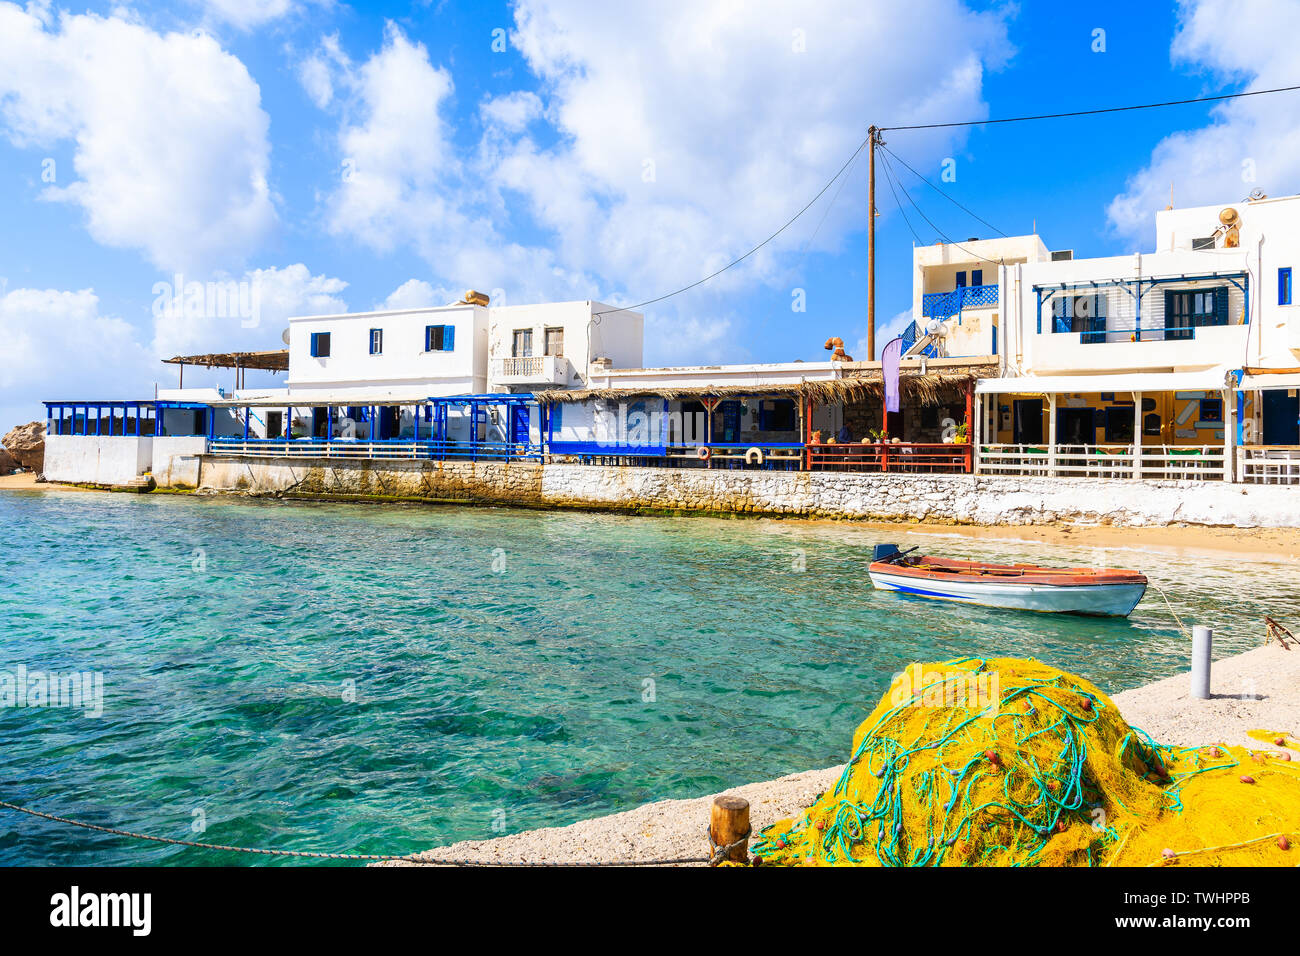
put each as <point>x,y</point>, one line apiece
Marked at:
<point>873,135</point>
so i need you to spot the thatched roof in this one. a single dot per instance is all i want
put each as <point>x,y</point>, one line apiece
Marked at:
<point>932,388</point>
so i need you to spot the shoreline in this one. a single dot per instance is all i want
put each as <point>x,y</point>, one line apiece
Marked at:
<point>1276,545</point>
<point>673,829</point>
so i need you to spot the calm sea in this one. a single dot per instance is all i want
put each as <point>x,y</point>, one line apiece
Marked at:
<point>387,679</point>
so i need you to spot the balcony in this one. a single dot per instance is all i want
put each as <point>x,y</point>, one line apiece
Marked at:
<point>943,305</point>
<point>530,370</point>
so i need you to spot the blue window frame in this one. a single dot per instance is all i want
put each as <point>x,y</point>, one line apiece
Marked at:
<point>1284,286</point>
<point>439,338</point>
<point>776,415</point>
<point>1186,310</point>
<point>977,277</point>
<point>376,341</point>
<point>1211,410</point>
<point>320,344</point>
<point>961,279</point>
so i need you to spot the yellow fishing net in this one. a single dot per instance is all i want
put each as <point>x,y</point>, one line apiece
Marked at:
<point>1008,762</point>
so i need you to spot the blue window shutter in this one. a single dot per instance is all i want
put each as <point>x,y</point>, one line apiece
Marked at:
<point>1221,306</point>
<point>1284,286</point>
<point>961,279</point>
<point>977,277</point>
<point>448,338</point>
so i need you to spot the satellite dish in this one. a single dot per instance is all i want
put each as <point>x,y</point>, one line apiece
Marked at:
<point>284,336</point>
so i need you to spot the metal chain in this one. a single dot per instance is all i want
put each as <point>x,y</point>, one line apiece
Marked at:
<point>373,857</point>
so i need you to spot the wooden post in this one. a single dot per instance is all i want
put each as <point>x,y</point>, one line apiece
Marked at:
<point>728,824</point>
<point>874,136</point>
<point>1137,435</point>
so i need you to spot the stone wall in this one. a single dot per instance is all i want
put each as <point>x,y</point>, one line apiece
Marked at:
<point>950,499</point>
<point>947,499</point>
<point>489,482</point>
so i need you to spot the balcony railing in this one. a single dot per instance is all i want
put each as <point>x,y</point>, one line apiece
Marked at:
<point>1269,464</point>
<point>530,369</point>
<point>942,305</point>
<point>1104,461</point>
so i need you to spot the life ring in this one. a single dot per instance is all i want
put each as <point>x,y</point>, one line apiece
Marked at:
<point>703,452</point>
<point>754,456</point>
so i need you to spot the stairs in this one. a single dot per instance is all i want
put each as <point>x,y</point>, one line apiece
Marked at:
<point>140,485</point>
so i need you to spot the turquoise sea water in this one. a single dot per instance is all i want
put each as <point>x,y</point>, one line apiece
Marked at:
<point>500,662</point>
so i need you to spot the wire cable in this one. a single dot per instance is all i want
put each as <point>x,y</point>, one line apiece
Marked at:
<point>736,262</point>
<point>942,235</point>
<point>942,193</point>
<point>1108,109</point>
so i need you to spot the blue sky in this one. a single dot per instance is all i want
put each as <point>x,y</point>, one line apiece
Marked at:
<point>347,156</point>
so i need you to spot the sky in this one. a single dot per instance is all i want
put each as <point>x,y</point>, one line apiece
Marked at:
<point>291,157</point>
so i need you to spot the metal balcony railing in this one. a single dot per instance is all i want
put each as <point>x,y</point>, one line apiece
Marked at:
<point>942,305</point>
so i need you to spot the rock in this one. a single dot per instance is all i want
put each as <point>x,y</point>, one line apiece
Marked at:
<point>26,444</point>
<point>8,463</point>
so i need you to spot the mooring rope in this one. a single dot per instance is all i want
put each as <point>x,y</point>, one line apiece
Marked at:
<point>1169,604</point>
<point>718,854</point>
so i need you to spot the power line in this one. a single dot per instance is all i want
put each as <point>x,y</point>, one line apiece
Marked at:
<point>944,194</point>
<point>737,262</point>
<point>889,179</point>
<point>1109,109</point>
<point>942,235</point>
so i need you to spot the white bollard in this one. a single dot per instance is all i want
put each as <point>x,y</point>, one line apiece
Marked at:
<point>1202,646</point>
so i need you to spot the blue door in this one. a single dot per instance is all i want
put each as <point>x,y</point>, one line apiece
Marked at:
<point>519,424</point>
<point>1281,417</point>
<point>731,422</point>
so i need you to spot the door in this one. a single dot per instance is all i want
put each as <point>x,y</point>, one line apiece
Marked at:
<point>1281,417</point>
<point>730,422</point>
<point>519,424</point>
<point>1075,426</point>
<point>1027,421</point>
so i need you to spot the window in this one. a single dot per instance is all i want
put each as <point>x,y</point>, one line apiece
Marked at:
<point>977,277</point>
<point>1284,286</point>
<point>555,341</point>
<point>522,344</point>
<point>376,341</point>
<point>961,279</point>
<point>1211,409</point>
<point>1119,424</point>
<point>439,338</point>
<point>1085,314</point>
<point>320,344</point>
<point>776,415</point>
<point>1186,310</point>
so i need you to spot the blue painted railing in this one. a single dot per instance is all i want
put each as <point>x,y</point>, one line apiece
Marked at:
<point>943,305</point>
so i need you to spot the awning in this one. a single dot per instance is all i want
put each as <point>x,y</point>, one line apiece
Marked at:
<point>1208,380</point>
<point>1288,379</point>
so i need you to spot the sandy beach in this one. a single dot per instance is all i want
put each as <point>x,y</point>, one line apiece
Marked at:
<point>1259,689</point>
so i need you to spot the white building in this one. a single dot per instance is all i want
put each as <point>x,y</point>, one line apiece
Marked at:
<point>1154,364</point>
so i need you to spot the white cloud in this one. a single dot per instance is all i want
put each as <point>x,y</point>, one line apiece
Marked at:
<point>416,294</point>
<point>636,168</point>
<point>513,112</point>
<point>170,146</point>
<point>1251,142</point>
<point>247,14</point>
<point>58,345</point>
<point>397,157</point>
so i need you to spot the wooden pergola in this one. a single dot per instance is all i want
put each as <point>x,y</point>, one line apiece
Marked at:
<point>276,360</point>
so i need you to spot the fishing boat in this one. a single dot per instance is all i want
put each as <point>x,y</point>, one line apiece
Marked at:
<point>1028,587</point>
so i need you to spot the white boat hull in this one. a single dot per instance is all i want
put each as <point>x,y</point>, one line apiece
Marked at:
<point>1101,599</point>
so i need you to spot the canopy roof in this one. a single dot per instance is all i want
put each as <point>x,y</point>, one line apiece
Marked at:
<point>276,360</point>
<point>1207,380</point>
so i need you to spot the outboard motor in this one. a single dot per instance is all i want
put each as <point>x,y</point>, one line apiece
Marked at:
<point>882,551</point>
